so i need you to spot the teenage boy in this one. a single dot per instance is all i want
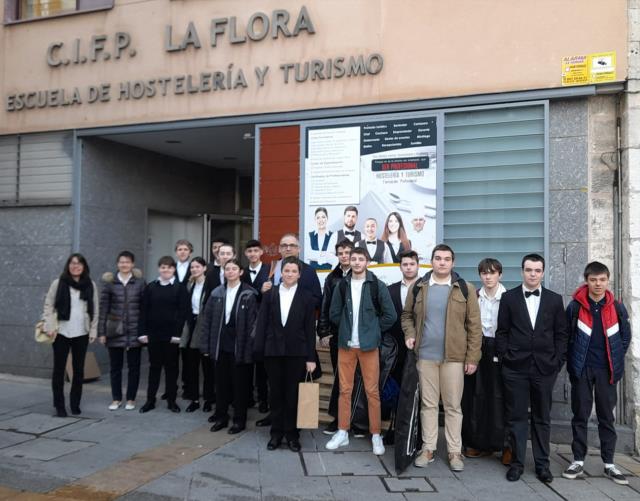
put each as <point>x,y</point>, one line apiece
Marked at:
<point>441,323</point>
<point>327,332</point>
<point>216,242</point>
<point>227,324</point>
<point>215,275</point>
<point>376,248</point>
<point>165,305</point>
<point>257,274</point>
<point>531,343</point>
<point>482,400</point>
<point>183,251</point>
<point>398,291</point>
<point>599,335</point>
<point>361,319</point>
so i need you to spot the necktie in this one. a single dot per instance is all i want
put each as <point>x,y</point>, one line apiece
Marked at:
<point>352,233</point>
<point>529,293</point>
<point>253,272</point>
<point>372,242</point>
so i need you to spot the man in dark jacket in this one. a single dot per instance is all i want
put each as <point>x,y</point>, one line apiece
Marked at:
<point>599,336</point>
<point>531,343</point>
<point>328,332</point>
<point>361,320</point>
<point>165,305</point>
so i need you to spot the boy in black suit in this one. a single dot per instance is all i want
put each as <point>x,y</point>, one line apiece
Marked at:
<point>257,274</point>
<point>531,342</point>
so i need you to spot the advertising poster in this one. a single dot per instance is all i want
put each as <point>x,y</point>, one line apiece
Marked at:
<point>374,183</point>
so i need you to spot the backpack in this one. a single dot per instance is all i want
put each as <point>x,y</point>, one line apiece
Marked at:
<point>373,290</point>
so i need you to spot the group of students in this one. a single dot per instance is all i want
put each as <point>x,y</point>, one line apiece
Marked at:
<point>488,355</point>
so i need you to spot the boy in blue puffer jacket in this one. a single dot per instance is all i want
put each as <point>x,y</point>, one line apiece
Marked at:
<point>599,337</point>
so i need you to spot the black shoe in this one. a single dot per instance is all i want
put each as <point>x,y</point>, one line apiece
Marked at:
<point>331,428</point>
<point>513,474</point>
<point>76,411</point>
<point>545,476</point>
<point>263,407</point>
<point>193,406</point>
<point>274,443</point>
<point>212,418</point>
<point>616,475</point>
<point>164,396</point>
<point>172,406</point>
<point>264,421</point>
<point>218,425</point>
<point>207,407</point>
<point>294,445</point>
<point>148,406</point>
<point>236,428</point>
<point>358,433</point>
<point>61,412</point>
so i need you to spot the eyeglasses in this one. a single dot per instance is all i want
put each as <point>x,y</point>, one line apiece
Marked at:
<point>289,246</point>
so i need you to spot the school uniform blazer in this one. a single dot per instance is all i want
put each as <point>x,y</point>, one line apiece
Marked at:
<point>261,278</point>
<point>211,280</point>
<point>297,338</point>
<point>186,278</point>
<point>518,343</point>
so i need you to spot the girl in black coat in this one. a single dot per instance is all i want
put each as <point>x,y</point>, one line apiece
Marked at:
<point>285,337</point>
<point>120,300</point>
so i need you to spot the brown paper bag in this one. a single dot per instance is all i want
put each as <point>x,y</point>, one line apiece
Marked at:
<point>308,404</point>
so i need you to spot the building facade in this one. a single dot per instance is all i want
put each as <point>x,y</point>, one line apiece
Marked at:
<point>131,124</point>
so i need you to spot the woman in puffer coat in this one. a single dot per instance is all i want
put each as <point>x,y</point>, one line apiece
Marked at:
<point>120,301</point>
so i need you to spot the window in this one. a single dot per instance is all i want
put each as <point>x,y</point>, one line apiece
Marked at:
<point>494,189</point>
<point>36,169</point>
<point>33,10</point>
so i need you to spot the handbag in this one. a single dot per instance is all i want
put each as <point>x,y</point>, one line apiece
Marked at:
<point>308,404</point>
<point>42,336</point>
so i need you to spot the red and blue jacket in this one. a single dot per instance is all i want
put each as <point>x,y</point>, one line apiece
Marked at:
<point>615,328</point>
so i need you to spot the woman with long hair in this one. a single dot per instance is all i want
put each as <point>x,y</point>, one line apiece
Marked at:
<point>71,315</point>
<point>318,251</point>
<point>395,236</point>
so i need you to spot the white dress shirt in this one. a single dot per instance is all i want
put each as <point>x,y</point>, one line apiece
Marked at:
<point>252,276</point>
<point>286,299</point>
<point>123,280</point>
<point>167,282</point>
<point>489,307</point>
<point>356,296</point>
<point>229,299</point>
<point>196,295</point>
<point>533,304</point>
<point>182,268</point>
<point>373,247</point>
<point>404,291</point>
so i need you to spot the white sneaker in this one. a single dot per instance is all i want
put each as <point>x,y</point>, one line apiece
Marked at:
<point>378,447</point>
<point>130,406</point>
<point>115,405</point>
<point>340,439</point>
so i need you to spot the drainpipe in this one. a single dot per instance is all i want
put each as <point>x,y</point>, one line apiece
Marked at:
<point>617,190</point>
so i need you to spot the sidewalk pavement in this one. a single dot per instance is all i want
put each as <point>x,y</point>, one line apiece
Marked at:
<point>161,456</point>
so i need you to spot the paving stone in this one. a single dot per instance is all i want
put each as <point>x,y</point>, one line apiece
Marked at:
<point>342,463</point>
<point>35,423</point>
<point>613,490</point>
<point>309,489</point>
<point>444,490</point>
<point>362,489</point>
<point>407,484</point>
<point>21,478</point>
<point>44,449</point>
<point>9,438</point>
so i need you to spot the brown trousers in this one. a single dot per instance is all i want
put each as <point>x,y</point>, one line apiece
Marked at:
<point>370,368</point>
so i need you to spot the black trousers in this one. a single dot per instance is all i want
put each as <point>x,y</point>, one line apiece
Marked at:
<point>232,381</point>
<point>259,382</point>
<point>116,360</point>
<point>284,375</point>
<point>192,361</point>
<point>335,388</point>
<point>523,388</point>
<point>582,392</point>
<point>163,354</point>
<point>61,347</point>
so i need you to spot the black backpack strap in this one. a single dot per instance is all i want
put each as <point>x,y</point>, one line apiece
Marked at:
<point>464,288</point>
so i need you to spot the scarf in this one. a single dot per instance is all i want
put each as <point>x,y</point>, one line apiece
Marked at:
<point>608,314</point>
<point>63,296</point>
